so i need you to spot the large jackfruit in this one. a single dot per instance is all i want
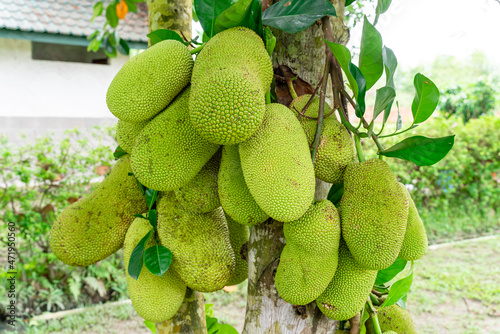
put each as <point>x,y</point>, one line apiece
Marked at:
<point>93,228</point>
<point>127,132</point>
<point>238,235</point>
<point>415,240</point>
<point>309,259</point>
<point>374,211</point>
<point>393,318</point>
<point>230,78</point>
<point>234,194</point>
<point>148,82</point>
<point>199,243</point>
<point>154,298</point>
<point>346,294</point>
<point>277,166</point>
<point>168,153</point>
<point>336,148</point>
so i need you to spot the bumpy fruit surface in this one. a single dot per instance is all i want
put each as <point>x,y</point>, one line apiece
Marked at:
<point>154,298</point>
<point>238,235</point>
<point>277,165</point>
<point>148,82</point>
<point>127,132</point>
<point>93,228</point>
<point>393,318</point>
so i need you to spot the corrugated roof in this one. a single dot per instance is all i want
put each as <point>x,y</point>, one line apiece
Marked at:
<point>68,17</point>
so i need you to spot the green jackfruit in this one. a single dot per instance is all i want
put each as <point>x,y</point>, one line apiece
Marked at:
<point>234,194</point>
<point>309,259</point>
<point>93,228</point>
<point>199,243</point>
<point>277,166</point>
<point>393,318</point>
<point>336,147</point>
<point>200,195</point>
<point>154,298</point>
<point>168,153</point>
<point>230,78</point>
<point>415,240</point>
<point>148,82</point>
<point>374,211</point>
<point>238,235</point>
<point>346,294</point>
<point>389,332</point>
<point>127,132</point>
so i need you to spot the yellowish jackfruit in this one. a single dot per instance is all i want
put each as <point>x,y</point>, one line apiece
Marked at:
<point>127,132</point>
<point>168,153</point>
<point>234,194</point>
<point>309,259</point>
<point>277,166</point>
<point>238,235</point>
<point>154,298</point>
<point>393,318</point>
<point>374,211</point>
<point>93,228</point>
<point>148,82</point>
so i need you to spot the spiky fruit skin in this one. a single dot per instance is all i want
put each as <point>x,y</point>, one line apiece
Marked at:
<point>277,165</point>
<point>346,294</point>
<point>200,195</point>
<point>148,82</point>
<point>238,235</point>
<point>168,153</point>
<point>393,318</point>
<point>93,228</point>
<point>199,243</point>
<point>415,241</point>
<point>336,148</point>
<point>154,298</point>
<point>389,332</point>
<point>127,132</point>
<point>309,259</point>
<point>234,194</point>
<point>230,79</point>
<point>374,212</point>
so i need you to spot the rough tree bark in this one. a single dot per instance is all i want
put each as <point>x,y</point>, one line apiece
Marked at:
<point>177,15</point>
<point>304,54</point>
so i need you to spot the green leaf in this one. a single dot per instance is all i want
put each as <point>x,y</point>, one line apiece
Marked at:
<point>164,34</point>
<point>399,289</point>
<point>399,122</point>
<point>269,40</point>
<point>390,65</point>
<point>348,2</point>
<point>212,327</point>
<point>208,11</point>
<point>385,95</point>
<point>226,329</point>
<point>98,8</point>
<point>153,218</point>
<point>108,49</point>
<point>138,215</point>
<point>123,47</point>
<point>131,6</point>
<point>383,6</point>
<point>336,192</point>
<point>293,16</point>
<point>151,326</point>
<point>119,152</point>
<point>371,62</point>
<point>94,45</point>
<point>387,274</point>
<point>256,17</point>
<point>421,150</point>
<point>209,310</point>
<point>343,56</point>
<point>238,15</point>
<point>402,302</point>
<point>114,39</point>
<point>361,82</point>
<point>111,15</point>
<point>151,196</point>
<point>426,98</point>
<point>365,315</point>
<point>137,257</point>
<point>157,259</point>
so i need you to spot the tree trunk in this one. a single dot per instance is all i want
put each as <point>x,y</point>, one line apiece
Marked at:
<point>304,54</point>
<point>177,15</point>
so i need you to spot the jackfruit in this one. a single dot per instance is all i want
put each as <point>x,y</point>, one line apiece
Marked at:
<point>230,78</point>
<point>148,82</point>
<point>336,148</point>
<point>393,318</point>
<point>277,165</point>
<point>234,195</point>
<point>309,259</point>
<point>389,332</point>
<point>93,228</point>
<point>374,211</point>
<point>347,293</point>
<point>199,243</point>
<point>415,240</point>
<point>168,153</point>
<point>200,195</point>
<point>127,132</point>
<point>154,298</point>
<point>238,235</point>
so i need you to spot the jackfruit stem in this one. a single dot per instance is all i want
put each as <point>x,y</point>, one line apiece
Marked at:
<point>359,149</point>
<point>373,315</point>
<point>196,50</point>
<point>289,83</point>
<point>374,299</point>
<point>268,97</point>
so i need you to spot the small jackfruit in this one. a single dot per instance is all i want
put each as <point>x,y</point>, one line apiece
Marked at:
<point>277,165</point>
<point>127,132</point>
<point>234,194</point>
<point>154,298</point>
<point>393,318</point>
<point>374,211</point>
<point>93,228</point>
<point>309,259</point>
<point>199,243</point>
<point>346,294</point>
<point>238,235</point>
<point>168,153</point>
<point>148,82</point>
<point>415,240</point>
